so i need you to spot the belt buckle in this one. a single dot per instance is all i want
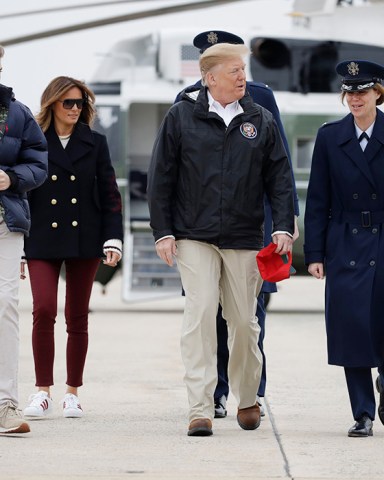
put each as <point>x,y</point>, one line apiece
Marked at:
<point>366,219</point>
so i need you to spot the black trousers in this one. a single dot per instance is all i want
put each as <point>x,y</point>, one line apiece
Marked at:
<point>361,391</point>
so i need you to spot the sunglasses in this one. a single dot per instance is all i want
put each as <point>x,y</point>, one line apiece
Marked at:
<point>69,103</point>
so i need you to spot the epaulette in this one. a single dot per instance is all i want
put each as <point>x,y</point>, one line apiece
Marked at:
<point>328,124</point>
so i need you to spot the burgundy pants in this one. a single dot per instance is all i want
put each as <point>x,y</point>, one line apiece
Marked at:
<point>44,276</point>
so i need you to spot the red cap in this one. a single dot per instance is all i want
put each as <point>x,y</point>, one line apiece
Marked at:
<point>272,266</point>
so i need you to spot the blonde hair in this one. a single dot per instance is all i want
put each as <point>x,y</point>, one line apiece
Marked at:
<point>217,54</point>
<point>377,87</point>
<point>2,51</point>
<point>54,91</point>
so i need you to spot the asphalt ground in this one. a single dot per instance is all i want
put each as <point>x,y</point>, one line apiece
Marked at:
<point>134,399</point>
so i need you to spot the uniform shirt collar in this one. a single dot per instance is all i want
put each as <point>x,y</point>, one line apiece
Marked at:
<point>228,112</point>
<point>368,131</point>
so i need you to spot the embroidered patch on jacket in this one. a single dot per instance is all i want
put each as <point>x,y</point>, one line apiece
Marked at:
<point>248,130</point>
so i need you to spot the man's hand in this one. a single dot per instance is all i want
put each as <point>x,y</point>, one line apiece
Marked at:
<point>22,270</point>
<point>166,250</point>
<point>5,181</point>
<point>283,242</point>
<point>316,270</point>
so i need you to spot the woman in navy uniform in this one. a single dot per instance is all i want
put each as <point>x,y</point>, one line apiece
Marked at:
<point>344,236</point>
<point>76,219</point>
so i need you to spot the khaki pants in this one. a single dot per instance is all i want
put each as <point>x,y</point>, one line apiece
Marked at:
<point>210,275</point>
<point>11,248</point>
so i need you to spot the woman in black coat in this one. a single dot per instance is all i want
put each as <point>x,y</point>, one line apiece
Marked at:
<point>76,219</point>
<point>344,236</point>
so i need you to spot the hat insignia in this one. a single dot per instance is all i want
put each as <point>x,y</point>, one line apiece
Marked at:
<point>353,68</point>
<point>212,38</point>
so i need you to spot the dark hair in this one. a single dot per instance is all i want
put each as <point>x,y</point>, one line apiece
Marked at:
<point>53,92</point>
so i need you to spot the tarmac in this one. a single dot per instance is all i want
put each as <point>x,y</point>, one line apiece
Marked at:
<point>135,404</point>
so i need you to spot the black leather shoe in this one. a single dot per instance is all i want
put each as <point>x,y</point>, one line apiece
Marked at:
<point>362,428</point>
<point>380,408</point>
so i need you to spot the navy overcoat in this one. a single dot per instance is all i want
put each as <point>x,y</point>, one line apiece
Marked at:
<point>344,230</point>
<point>78,208</point>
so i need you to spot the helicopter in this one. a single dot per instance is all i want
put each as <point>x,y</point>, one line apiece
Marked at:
<point>138,78</point>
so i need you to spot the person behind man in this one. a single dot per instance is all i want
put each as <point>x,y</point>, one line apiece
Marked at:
<point>215,155</point>
<point>343,236</point>
<point>23,166</point>
<point>262,95</point>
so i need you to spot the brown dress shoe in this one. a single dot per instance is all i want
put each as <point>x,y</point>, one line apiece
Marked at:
<point>249,418</point>
<point>200,427</point>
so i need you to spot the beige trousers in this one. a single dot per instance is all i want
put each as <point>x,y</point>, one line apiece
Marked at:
<point>11,249</point>
<point>210,275</point>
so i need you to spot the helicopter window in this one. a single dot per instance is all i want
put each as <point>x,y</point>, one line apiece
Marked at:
<point>108,122</point>
<point>304,150</point>
<point>302,65</point>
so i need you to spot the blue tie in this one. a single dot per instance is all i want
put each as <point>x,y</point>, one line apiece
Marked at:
<point>362,136</point>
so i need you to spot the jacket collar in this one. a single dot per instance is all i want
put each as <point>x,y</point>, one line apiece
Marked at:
<point>6,95</point>
<point>79,145</point>
<point>350,145</point>
<point>202,105</point>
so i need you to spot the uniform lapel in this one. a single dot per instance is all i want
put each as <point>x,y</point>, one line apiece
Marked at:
<point>350,145</point>
<point>57,153</point>
<point>376,141</point>
<point>81,143</point>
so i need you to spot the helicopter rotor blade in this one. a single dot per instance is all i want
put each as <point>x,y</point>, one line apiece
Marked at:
<point>71,7</point>
<point>117,19</point>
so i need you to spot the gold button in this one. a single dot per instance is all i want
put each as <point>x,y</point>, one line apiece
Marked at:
<point>54,178</point>
<point>54,225</point>
<point>74,200</point>
<point>73,178</point>
<point>74,223</point>
<point>53,201</point>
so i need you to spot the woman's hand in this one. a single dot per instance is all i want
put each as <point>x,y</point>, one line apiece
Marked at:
<point>111,259</point>
<point>316,270</point>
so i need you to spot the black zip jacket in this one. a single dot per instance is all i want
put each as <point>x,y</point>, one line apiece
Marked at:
<point>206,181</point>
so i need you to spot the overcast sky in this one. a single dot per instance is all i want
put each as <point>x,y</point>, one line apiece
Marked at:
<point>29,67</point>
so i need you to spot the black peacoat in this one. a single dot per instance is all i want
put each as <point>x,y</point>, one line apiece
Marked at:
<point>78,208</point>
<point>344,229</point>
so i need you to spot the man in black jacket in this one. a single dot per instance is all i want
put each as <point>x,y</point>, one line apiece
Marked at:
<point>215,156</point>
<point>262,95</point>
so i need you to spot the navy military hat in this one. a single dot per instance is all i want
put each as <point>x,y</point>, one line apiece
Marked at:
<point>359,75</point>
<point>205,40</point>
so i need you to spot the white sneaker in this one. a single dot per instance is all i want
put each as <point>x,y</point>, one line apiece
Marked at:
<point>261,406</point>
<point>11,420</point>
<point>221,407</point>
<point>40,405</point>
<point>71,406</point>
